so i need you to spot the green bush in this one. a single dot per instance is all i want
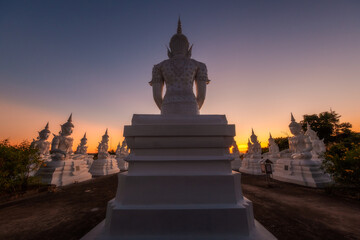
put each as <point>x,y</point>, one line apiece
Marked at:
<point>342,161</point>
<point>16,163</point>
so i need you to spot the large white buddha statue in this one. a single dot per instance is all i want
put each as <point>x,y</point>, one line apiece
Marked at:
<point>61,145</point>
<point>41,142</point>
<point>179,184</point>
<point>179,73</point>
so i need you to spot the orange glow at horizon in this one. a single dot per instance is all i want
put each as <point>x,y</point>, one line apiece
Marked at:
<point>33,120</point>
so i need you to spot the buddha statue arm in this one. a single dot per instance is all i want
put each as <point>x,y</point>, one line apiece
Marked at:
<point>201,80</point>
<point>157,83</point>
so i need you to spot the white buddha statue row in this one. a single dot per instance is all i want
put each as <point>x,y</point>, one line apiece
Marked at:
<point>62,166</point>
<point>301,163</point>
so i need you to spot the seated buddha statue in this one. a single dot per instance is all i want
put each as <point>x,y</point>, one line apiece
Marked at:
<point>104,146</point>
<point>254,147</point>
<point>61,145</point>
<point>41,142</point>
<point>299,145</point>
<point>82,148</point>
<point>273,147</point>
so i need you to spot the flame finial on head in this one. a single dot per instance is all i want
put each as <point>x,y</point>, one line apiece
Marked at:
<point>252,131</point>
<point>69,122</point>
<point>179,30</point>
<point>292,118</point>
<point>70,118</point>
<point>106,132</point>
<point>270,135</point>
<point>179,43</point>
<point>84,135</point>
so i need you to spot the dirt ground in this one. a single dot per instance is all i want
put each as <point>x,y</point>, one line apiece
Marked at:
<point>288,211</point>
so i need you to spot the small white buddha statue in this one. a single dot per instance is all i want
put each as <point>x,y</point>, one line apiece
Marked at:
<point>235,149</point>
<point>254,147</point>
<point>103,146</point>
<point>300,145</point>
<point>118,150</point>
<point>41,142</point>
<point>273,148</point>
<point>82,148</point>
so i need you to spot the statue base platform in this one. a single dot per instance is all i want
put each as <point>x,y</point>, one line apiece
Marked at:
<point>83,157</point>
<point>104,166</point>
<point>179,184</point>
<point>304,172</point>
<point>251,166</point>
<point>62,173</point>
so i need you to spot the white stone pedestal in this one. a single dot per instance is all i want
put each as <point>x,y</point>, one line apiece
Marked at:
<point>179,184</point>
<point>65,172</point>
<point>302,172</point>
<point>104,166</point>
<point>251,166</point>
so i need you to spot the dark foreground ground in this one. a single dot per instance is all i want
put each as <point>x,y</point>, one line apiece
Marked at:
<point>286,210</point>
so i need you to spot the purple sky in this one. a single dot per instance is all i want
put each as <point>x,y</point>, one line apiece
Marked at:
<point>94,59</point>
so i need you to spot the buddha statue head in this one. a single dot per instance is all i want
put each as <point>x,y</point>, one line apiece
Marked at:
<point>105,137</point>
<point>67,128</point>
<point>44,134</point>
<point>179,44</point>
<point>295,128</point>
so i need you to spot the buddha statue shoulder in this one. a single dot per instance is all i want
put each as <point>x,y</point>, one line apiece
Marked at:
<point>178,74</point>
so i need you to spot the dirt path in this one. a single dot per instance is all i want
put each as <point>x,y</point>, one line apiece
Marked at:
<point>288,211</point>
<point>294,212</point>
<point>66,214</point>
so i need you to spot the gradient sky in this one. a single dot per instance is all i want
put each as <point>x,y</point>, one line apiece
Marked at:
<point>94,59</point>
